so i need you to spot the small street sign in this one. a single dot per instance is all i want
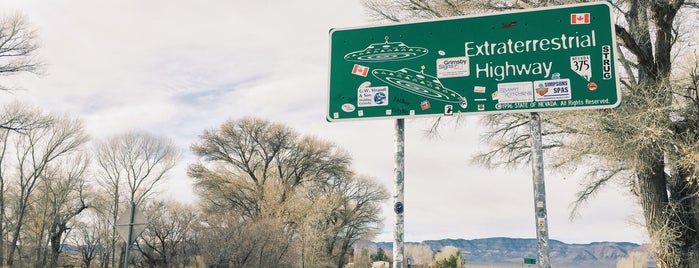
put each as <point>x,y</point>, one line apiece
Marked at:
<point>529,261</point>
<point>531,60</point>
<point>139,224</point>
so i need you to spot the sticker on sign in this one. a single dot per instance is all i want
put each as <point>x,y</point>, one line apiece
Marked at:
<point>372,96</point>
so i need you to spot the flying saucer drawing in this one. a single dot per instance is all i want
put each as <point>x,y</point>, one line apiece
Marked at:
<point>388,51</point>
<point>420,84</point>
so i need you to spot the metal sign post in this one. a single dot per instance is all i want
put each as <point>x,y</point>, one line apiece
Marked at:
<point>129,240</point>
<point>398,205</point>
<point>542,230</point>
<point>130,225</point>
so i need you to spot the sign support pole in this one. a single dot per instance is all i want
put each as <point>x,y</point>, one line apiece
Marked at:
<point>398,207</point>
<point>542,232</point>
<point>130,236</point>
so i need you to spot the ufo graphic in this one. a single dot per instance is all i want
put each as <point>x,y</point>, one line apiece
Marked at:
<point>420,84</point>
<point>388,51</point>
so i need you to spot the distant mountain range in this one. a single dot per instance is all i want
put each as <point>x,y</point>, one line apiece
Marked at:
<point>510,252</point>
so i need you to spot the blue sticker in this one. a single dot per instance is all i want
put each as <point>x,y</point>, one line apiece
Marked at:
<point>379,98</point>
<point>398,207</point>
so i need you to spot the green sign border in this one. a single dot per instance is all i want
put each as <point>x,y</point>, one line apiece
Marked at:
<point>492,63</point>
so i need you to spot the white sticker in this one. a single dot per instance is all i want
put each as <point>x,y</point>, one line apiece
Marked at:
<point>581,66</point>
<point>515,92</point>
<point>448,110</point>
<point>453,67</point>
<point>372,96</point>
<point>348,108</point>
<point>606,63</point>
<point>547,90</point>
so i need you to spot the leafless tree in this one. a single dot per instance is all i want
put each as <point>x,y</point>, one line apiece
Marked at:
<point>130,166</point>
<point>65,192</point>
<point>349,214</point>
<point>36,149</point>
<point>58,199</point>
<point>88,239</point>
<point>14,118</point>
<point>18,44</point>
<point>227,241</point>
<point>167,240</point>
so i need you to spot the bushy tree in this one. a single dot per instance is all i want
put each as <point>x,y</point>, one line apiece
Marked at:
<point>263,174</point>
<point>448,257</point>
<point>380,255</point>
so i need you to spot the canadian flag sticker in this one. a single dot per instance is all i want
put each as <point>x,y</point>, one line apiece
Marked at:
<point>580,18</point>
<point>360,70</point>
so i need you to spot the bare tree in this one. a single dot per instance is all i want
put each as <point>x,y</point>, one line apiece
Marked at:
<point>166,241</point>
<point>99,228</point>
<point>227,241</point>
<point>65,188</point>
<point>18,43</point>
<point>132,164</point>
<point>649,143</point>
<point>58,199</point>
<point>349,214</point>
<point>36,149</point>
<point>88,239</point>
<point>138,160</point>
<point>15,118</point>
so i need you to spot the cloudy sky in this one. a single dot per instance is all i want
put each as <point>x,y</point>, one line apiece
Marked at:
<point>175,68</point>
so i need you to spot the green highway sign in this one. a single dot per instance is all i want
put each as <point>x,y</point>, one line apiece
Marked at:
<point>529,261</point>
<point>532,60</point>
